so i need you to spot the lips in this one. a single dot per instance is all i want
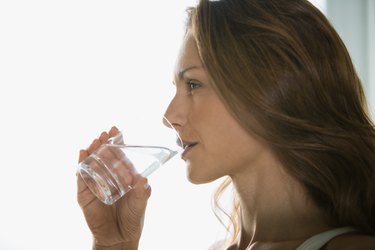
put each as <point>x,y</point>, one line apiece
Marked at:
<point>187,146</point>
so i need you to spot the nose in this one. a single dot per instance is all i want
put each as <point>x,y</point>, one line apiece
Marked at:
<point>175,114</point>
<point>167,123</point>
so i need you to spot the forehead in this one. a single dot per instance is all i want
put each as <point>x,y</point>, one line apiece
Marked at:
<point>188,54</point>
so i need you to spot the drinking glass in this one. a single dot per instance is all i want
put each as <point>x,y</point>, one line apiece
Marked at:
<point>114,168</point>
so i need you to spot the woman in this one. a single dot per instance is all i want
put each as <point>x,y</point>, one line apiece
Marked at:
<point>267,95</point>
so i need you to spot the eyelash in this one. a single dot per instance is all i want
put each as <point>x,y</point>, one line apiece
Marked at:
<point>192,84</point>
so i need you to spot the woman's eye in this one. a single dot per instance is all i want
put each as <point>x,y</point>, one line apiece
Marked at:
<point>192,85</point>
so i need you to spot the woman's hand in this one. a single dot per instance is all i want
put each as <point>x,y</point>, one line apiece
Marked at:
<point>118,226</point>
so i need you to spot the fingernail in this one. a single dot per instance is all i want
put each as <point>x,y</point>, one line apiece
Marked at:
<point>146,186</point>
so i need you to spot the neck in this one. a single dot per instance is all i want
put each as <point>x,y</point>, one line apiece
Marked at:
<point>275,208</point>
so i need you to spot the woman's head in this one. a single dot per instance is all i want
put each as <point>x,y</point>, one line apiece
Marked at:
<point>215,143</point>
<point>285,76</point>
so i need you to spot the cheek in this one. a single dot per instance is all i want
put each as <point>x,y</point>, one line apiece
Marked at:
<point>225,149</point>
<point>215,160</point>
<point>206,161</point>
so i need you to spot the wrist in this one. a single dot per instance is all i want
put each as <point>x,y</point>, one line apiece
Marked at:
<point>120,246</point>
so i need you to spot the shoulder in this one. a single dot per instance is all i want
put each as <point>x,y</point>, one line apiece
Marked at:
<point>352,242</point>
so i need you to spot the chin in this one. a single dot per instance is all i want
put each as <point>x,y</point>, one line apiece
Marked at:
<point>196,181</point>
<point>198,177</point>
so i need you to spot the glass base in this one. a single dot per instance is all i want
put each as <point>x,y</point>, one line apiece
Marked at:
<point>100,182</point>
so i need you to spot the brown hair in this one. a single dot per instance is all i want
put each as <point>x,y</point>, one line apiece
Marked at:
<point>281,64</point>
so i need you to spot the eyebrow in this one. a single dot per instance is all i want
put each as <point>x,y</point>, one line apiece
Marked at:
<point>184,70</point>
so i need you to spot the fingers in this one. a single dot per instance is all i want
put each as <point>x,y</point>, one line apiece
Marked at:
<point>83,154</point>
<point>113,157</point>
<point>103,138</point>
<point>82,188</point>
<point>94,145</point>
<point>113,131</point>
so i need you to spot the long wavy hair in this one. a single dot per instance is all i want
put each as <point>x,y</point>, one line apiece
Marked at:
<point>286,76</point>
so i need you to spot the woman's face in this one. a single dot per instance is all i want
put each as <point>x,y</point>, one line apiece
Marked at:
<point>215,144</point>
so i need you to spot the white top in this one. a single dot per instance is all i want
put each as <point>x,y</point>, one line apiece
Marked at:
<point>319,240</point>
<point>315,242</point>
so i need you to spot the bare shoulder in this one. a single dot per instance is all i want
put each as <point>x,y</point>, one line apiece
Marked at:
<point>352,242</point>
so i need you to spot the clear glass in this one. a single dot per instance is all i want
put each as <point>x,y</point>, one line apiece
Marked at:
<point>114,168</point>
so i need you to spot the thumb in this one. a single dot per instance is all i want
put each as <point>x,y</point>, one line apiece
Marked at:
<point>142,191</point>
<point>134,208</point>
<point>135,201</point>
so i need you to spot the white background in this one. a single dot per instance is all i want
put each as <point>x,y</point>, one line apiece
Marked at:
<point>69,70</point>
